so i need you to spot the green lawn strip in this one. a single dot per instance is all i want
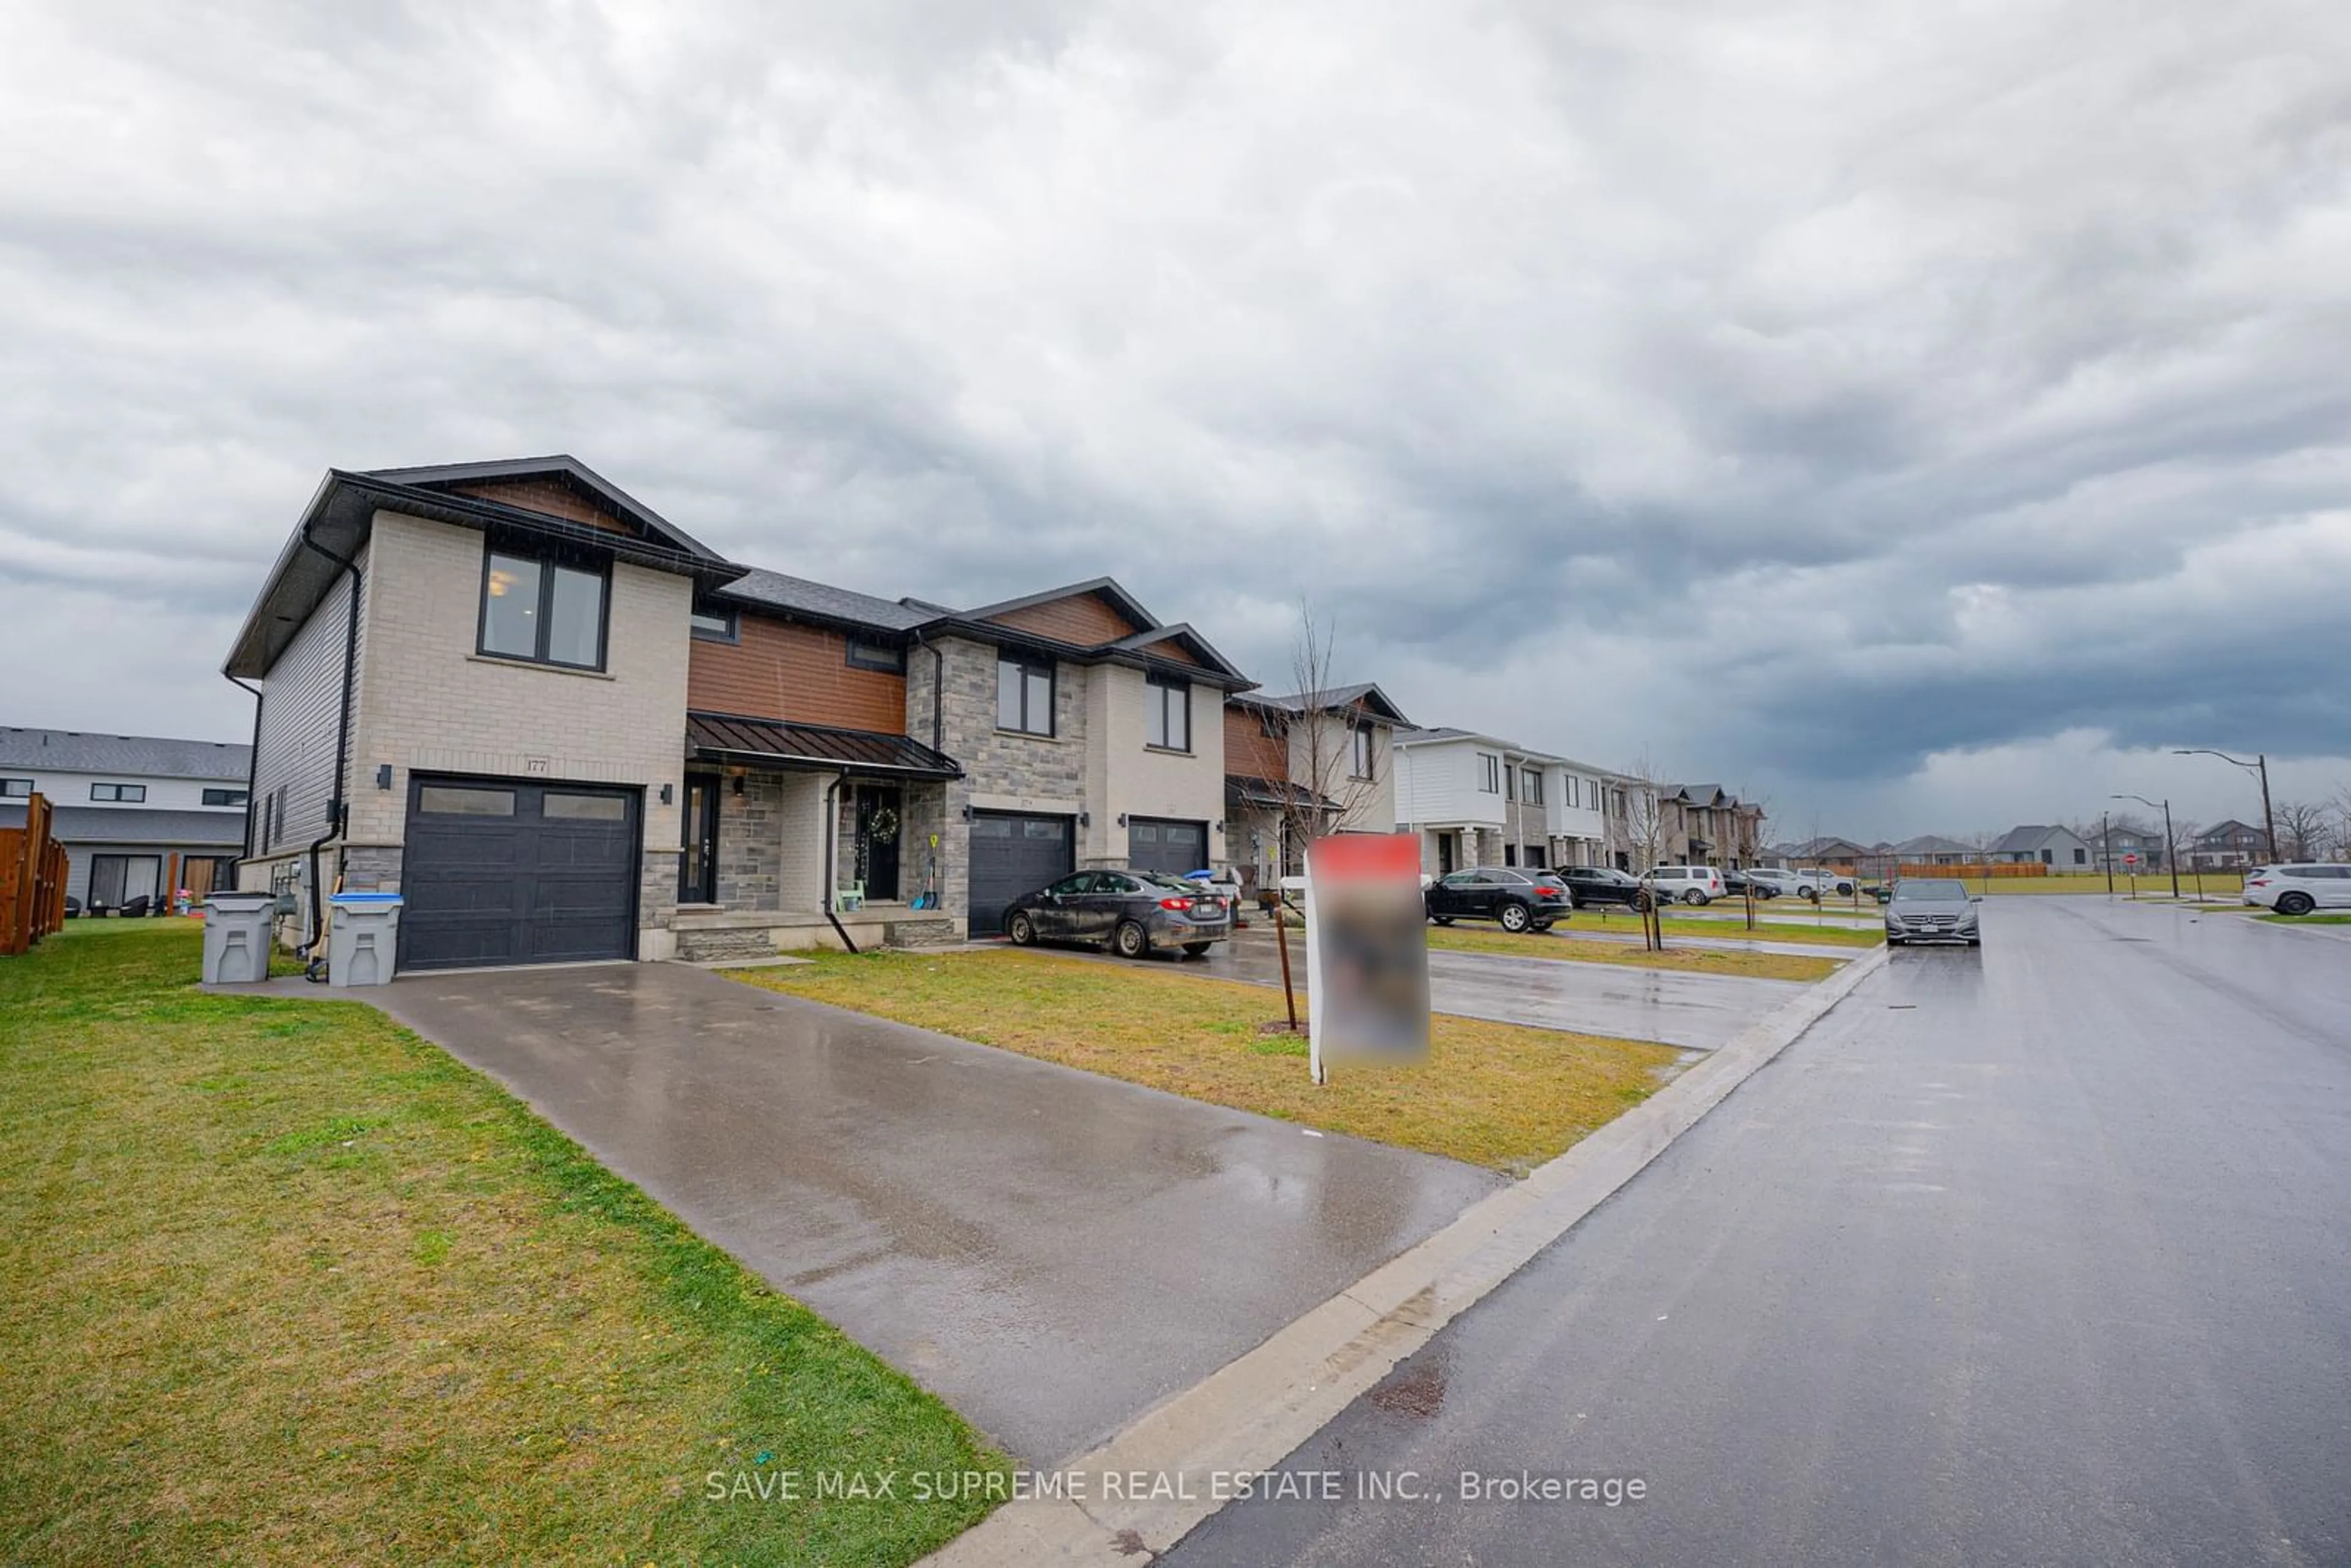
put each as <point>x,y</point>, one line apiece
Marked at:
<point>1554,946</point>
<point>1734,927</point>
<point>284,1282</point>
<point>2276,919</point>
<point>1493,1095</point>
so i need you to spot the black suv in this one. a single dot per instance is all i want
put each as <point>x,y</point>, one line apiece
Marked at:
<point>1521,901</point>
<point>1602,885</point>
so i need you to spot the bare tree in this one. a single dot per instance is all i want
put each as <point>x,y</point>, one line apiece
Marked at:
<point>1981,841</point>
<point>1645,815</point>
<point>1335,759</point>
<point>2340,802</point>
<point>2304,830</point>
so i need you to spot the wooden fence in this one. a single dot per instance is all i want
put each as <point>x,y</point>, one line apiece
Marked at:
<point>32,880</point>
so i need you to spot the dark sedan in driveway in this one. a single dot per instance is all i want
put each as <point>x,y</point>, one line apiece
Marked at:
<point>1129,911</point>
<point>1603,884</point>
<point>1521,901</point>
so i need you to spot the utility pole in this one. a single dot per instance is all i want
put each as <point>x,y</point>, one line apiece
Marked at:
<point>2107,850</point>
<point>2170,850</point>
<point>2260,765</point>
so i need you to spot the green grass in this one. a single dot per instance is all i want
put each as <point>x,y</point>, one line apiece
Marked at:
<point>2305,919</point>
<point>1565,948</point>
<point>1734,925</point>
<point>281,1282</point>
<point>1493,1095</point>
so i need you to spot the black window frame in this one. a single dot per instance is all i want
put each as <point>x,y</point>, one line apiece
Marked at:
<point>708,609</point>
<point>862,655</point>
<point>1530,785</point>
<point>1028,667</point>
<point>548,559</point>
<point>1364,758</point>
<point>8,790</point>
<point>124,794</point>
<point>1491,782</point>
<point>1164,684</point>
<point>227,797</point>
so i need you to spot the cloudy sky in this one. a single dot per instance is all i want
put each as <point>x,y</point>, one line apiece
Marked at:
<point>1920,417</point>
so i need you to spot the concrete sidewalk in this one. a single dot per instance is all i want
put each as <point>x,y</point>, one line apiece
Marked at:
<point>1051,1252</point>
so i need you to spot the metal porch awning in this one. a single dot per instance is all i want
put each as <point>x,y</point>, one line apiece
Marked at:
<point>815,747</point>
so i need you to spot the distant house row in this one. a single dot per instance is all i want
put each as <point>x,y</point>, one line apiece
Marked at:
<point>2225,846</point>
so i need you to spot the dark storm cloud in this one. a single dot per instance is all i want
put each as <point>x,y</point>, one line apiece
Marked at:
<point>1802,390</point>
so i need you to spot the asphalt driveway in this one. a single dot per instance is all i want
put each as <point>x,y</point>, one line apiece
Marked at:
<point>1619,1000</point>
<point>1050,1252</point>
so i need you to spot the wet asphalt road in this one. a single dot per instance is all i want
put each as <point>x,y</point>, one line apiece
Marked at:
<point>1614,1000</point>
<point>1051,1252</point>
<point>2037,1257</point>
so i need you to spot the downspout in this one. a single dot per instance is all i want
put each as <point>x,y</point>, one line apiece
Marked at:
<point>831,838</point>
<point>252,757</point>
<point>938,692</point>
<point>337,808</point>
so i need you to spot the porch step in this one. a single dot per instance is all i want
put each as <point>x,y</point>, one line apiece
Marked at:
<point>747,942</point>
<point>933,932</point>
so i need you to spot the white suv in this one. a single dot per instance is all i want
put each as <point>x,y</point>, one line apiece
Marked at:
<point>1804,884</point>
<point>2299,889</point>
<point>1685,884</point>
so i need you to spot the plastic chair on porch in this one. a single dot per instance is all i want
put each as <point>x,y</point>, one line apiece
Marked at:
<point>850,898</point>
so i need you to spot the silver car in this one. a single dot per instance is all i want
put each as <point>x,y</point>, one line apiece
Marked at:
<point>1932,909</point>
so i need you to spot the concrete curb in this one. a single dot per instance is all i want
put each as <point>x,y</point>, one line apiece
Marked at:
<point>1245,1417</point>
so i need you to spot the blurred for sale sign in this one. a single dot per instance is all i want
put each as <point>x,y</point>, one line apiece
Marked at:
<point>1366,950</point>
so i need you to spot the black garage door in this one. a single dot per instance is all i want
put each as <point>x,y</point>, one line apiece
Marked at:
<point>498,871</point>
<point>1013,854</point>
<point>1162,844</point>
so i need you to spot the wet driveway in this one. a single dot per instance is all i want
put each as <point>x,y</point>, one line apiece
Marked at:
<point>1050,1252</point>
<point>1615,1000</point>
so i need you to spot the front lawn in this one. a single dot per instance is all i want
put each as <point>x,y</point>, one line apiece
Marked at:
<point>1679,960</point>
<point>281,1282</point>
<point>1734,926</point>
<point>2275,918</point>
<point>1494,1094</point>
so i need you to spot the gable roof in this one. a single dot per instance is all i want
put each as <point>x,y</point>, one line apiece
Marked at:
<point>1366,693</point>
<point>2229,829</point>
<point>335,522</point>
<point>775,590</point>
<point>2028,837</point>
<point>154,755</point>
<point>1932,844</point>
<point>1106,588</point>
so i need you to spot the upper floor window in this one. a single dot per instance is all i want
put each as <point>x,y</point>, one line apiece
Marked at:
<point>876,656</point>
<point>1024,696</point>
<point>226,797</point>
<point>15,789</point>
<point>712,621</point>
<point>542,608</point>
<point>127,792</point>
<point>1532,791</point>
<point>1490,773</point>
<point>1167,712</point>
<point>1367,751</point>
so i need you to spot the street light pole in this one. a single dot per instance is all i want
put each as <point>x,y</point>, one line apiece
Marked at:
<point>2170,850</point>
<point>2107,849</point>
<point>2260,765</point>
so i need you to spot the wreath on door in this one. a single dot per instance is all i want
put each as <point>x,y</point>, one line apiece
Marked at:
<point>881,827</point>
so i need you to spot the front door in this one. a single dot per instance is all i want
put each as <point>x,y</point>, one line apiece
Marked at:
<point>879,831</point>
<point>1445,854</point>
<point>697,875</point>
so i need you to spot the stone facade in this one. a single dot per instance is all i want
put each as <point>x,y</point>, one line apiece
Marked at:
<point>751,842</point>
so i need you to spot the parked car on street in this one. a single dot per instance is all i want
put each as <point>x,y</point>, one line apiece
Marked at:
<point>1521,901</point>
<point>1931,909</point>
<point>1736,883</point>
<point>1685,884</point>
<point>1129,911</point>
<point>1602,885</point>
<point>2299,889</point>
<point>1803,884</point>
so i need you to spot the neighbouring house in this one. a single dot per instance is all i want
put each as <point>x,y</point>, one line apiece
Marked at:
<point>1302,765</point>
<point>2226,846</point>
<point>139,816</point>
<point>565,729</point>
<point>1842,854</point>
<point>2113,846</point>
<point>1476,799</point>
<point>1933,850</point>
<point>2059,848</point>
<point>1705,824</point>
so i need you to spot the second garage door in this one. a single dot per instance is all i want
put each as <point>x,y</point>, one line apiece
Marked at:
<point>501,871</point>
<point>1166,844</point>
<point>1013,852</point>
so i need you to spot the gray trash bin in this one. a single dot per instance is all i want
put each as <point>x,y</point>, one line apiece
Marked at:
<point>362,938</point>
<point>236,937</point>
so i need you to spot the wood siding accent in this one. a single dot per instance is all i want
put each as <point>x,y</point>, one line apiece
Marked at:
<point>1084,620</point>
<point>1172,649</point>
<point>783,670</point>
<point>550,498</point>
<point>1249,752</point>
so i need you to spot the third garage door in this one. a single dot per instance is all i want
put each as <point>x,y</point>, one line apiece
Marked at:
<point>1166,844</point>
<point>1013,852</point>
